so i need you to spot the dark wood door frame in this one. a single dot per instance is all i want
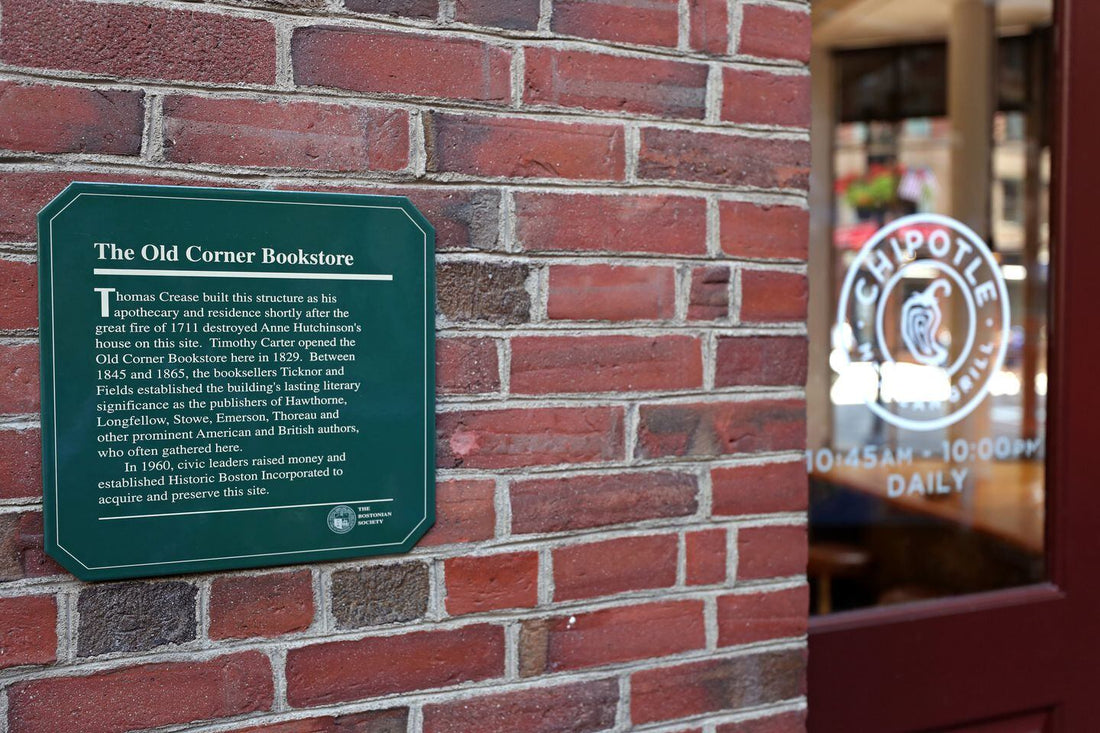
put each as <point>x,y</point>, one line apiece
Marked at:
<point>945,663</point>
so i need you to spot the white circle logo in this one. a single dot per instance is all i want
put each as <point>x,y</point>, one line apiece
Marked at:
<point>341,519</point>
<point>924,309</point>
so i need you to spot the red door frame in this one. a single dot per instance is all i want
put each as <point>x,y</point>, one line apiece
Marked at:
<point>975,658</point>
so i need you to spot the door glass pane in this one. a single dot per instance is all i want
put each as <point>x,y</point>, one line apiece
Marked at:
<point>929,279</point>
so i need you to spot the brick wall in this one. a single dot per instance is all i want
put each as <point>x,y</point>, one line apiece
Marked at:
<point>619,190</point>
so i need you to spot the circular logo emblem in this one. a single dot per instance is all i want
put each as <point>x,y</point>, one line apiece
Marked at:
<point>923,322</point>
<point>341,519</point>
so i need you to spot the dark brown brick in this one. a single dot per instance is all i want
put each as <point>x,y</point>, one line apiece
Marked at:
<point>710,293</point>
<point>134,617</point>
<point>761,361</point>
<point>721,428</point>
<point>403,8</point>
<point>715,685</point>
<point>379,594</point>
<point>483,291</point>
<point>510,14</point>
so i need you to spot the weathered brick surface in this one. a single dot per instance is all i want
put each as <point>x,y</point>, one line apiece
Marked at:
<point>580,502</point>
<point>607,82</point>
<point>57,119</point>
<point>761,361</point>
<point>491,582</point>
<point>548,222</point>
<point>135,617</point>
<point>611,635</point>
<point>705,556</point>
<point>512,438</point>
<point>720,428</point>
<point>724,159</point>
<point>616,306</point>
<point>377,61</point>
<point>770,552</point>
<point>748,617</point>
<point>138,41</point>
<point>284,134</point>
<point>261,605</point>
<point>770,296</point>
<point>544,365</point>
<point>770,487</point>
<point>466,366</point>
<point>576,708</point>
<point>752,230</point>
<point>609,293</point>
<point>379,594</point>
<point>28,630</point>
<point>651,23</point>
<point>339,671</point>
<point>765,98</point>
<point>477,145</point>
<point>118,700</point>
<point>713,685</point>
<point>614,566</point>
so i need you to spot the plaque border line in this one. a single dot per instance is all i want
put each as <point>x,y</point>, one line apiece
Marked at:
<point>53,369</point>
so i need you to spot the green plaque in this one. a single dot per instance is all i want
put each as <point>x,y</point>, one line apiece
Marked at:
<point>233,378</point>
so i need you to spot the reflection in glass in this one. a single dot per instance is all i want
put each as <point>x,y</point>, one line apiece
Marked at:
<point>927,409</point>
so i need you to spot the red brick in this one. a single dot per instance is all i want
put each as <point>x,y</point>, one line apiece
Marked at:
<point>138,41</point>
<point>609,293</point>
<point>710,294</point>
<point>261,605</point>
<point>610,636</point>
<point>761,361</point>
<point>524,148</point>
<point>724,159</point>
<point>794,722</point>
<point>577,708</point>
<point>308,135</point>
<point>49,119</point>
<point>771,552</point>
<point>488,583</point>
<point>764,98</point>
<point>464,512</point>
<point>510,14</point>
<point>19,286</point>
<point>466,366</point>
<point>721,428</point>
<point>405,8</point>
<point>386,62</point>
<point>518,438</point>
<point>769,296</point>
<point>147,696</point>
<point>21,548</point>
<point>755,230</point>
<point>340,671</point>
<point>714,685</point>
<point>19,379</point>
<point>771,487</point>
<point>21,463</point>
<point>774,32</point>
<point>580,502</point>
<point>710,27</point>
<point>570,78</point>
<point>548,222</point>
<point>394,720</point>
<point>548,364</point>
<point>28,631</point>
<point>614,566</point>
<point>646,22</point>
<point>751,617</point>
<point>706,556</point>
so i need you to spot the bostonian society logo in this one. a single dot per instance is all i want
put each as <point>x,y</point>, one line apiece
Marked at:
<point>925,310</point>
